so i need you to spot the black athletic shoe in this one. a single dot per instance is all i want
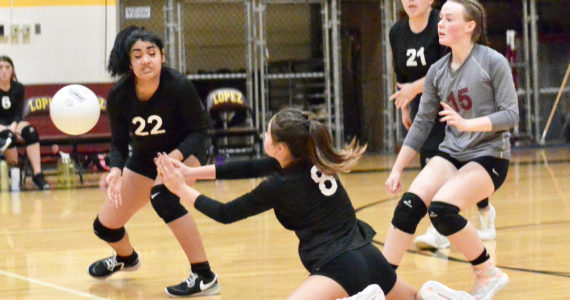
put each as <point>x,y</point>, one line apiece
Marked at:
<point>40,181</point>
<point>193,286</point>
<point>104,268</point>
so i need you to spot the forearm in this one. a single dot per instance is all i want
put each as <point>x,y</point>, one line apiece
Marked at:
<point>419,85</point>
<point>404,157</point>
<point>204,172</point>
<point>188,195</point>
<point>481,124</point>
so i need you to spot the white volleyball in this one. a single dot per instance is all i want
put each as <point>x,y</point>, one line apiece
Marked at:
<point>74,109</point>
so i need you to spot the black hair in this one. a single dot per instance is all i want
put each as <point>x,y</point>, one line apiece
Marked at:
<point>119,59</point>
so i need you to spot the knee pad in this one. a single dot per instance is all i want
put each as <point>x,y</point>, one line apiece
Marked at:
<point>8,134</point>
<point>107,234</point>
<point>408,213</point>
<point>166,204</point>
<point>445,218</point>
<point>30,135</point>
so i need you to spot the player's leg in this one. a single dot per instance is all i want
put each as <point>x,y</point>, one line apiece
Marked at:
<point>109,225</point>
<point>487,214</point>
<point>201,281</point>
<point>471,183</point>
<point>413,207</point>
<point>431,239</point>
<point>318,287</point>
<point>29,135</point>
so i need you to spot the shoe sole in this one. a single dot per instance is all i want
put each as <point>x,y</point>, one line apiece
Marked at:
<point>213,290</point>
<point>427,246</point>
<point>486,237</point>
<point>502,283</point>
<point>129,269</point>
<point>433,290</point>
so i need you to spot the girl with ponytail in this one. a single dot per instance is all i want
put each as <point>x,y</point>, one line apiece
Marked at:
<point>306,195</point>
<point>474,87</point>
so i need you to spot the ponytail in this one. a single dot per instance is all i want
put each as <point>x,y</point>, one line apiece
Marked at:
<point>310,142</point>
<point>119,59</point>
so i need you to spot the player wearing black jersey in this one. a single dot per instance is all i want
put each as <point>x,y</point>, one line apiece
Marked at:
<point>13,128</point>
<point>307,197</point>
<point>415,47</point>
<point>154,109</point>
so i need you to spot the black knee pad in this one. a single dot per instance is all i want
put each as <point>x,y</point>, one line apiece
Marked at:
<point>30,135</point>
<point>166,204</point>
<point>7,133</point>
<point>107,234</point>
<point>445,218</point>
<point>408,213</point>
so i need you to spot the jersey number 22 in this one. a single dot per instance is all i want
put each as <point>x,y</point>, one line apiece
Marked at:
<point>153,119</point>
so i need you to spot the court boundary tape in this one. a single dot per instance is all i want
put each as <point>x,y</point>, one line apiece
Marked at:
<point>50,285</point>
<point>438,255</point>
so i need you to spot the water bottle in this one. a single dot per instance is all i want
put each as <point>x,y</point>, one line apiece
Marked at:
<point>15,179</point>
<point>66,170</point>
<point>4,182</point>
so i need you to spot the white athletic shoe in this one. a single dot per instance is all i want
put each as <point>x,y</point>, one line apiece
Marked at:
<point>371,292</point>
<point>433,290</point>
<point>487,232</point>
<point>488,283</point>
<point>431,240</point>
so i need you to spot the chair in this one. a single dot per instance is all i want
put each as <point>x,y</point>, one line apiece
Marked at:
<point>233,131</point>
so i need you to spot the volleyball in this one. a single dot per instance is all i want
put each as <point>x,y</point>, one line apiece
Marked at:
<point>74,109</point>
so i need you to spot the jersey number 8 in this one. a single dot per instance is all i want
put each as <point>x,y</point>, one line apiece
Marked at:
<point>327,184</point>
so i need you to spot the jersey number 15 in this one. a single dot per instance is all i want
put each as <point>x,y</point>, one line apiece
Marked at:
<point>463,100</point>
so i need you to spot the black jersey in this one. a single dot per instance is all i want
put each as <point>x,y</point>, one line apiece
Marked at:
<point>12,105</point>
<point>304,200</point>
<point>413,54</point>
<point>173,118</point>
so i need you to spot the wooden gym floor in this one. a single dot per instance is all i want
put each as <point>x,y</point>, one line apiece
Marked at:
<point>46,240</point>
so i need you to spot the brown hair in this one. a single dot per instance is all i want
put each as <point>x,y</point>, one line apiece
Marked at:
<point>474,11</point>
<point>310,142</point>
<point>8,60</point>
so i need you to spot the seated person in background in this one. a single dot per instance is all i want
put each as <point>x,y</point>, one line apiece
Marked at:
<point>12,127</point>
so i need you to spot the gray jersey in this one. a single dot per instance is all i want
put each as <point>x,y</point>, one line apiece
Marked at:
<point>482,86</point>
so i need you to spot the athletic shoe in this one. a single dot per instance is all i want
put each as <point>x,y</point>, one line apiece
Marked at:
<point>193,286</point>
<point>104,268</point>
<point>433,290</point>
<point>488,283</point>
<point>40,181</point>
<point>5,143</point>
<point>371,292</point>
<point>487,218</point>
<point>431,240</point>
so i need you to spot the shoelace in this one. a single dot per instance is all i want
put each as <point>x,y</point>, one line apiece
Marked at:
<point>191,280</point>
<point>110,263</point>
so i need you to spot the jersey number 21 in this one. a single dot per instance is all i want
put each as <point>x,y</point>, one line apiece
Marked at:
<point>412,54</point>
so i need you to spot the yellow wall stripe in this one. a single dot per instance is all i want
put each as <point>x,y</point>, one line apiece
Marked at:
<point>31,3</point>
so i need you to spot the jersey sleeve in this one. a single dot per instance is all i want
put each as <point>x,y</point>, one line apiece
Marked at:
<point>247,168</point>
<point>119,132</point>
<point>261,199</point>
<point>196,116</point>
<point>427,112</point>
<point>506,101</point>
